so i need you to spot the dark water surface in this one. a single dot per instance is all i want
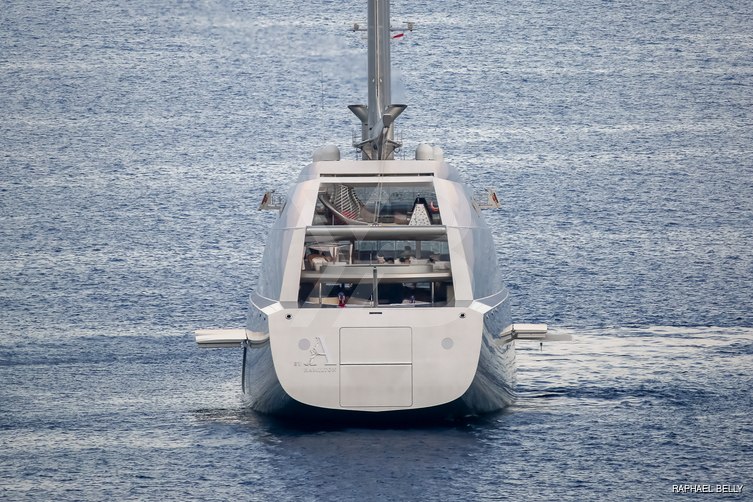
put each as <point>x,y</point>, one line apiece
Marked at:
<point>137,139</point>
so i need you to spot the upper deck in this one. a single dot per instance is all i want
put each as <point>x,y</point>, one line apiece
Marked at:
<point>412,221</point>
<point>376,239</point>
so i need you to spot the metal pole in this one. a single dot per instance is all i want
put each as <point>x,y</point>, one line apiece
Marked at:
<point>378,117</point>
<point>379,62</point>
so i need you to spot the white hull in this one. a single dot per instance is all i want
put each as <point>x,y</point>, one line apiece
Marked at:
<point>413,335</point>
<point>448,383</point>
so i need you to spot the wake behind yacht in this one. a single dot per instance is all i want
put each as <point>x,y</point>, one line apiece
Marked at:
<point>379,290</point>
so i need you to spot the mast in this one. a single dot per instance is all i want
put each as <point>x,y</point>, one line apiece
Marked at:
<point>377,118</point>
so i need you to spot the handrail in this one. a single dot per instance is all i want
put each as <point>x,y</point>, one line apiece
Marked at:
<point>382,232</point>
<point>350,221</point>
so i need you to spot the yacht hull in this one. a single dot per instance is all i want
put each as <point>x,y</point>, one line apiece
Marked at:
<point>303,382</point>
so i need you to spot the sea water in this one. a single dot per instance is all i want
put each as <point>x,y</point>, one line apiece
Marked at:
<point>138,138</point>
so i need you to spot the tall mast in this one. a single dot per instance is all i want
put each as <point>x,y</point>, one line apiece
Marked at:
<point>377,119</point>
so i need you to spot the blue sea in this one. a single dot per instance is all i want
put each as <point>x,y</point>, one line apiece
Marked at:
<point>137,139</point>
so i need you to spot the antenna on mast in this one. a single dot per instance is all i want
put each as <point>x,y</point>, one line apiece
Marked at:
<point>378,117</point>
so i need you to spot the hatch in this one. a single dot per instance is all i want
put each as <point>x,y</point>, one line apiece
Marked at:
<point>376,366</point>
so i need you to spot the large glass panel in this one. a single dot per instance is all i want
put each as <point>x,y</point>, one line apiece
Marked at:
<point>349,272</point>
<point>377,203</point>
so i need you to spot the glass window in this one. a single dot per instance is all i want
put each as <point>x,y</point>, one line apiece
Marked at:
<point>377,203</point>
<point>391,272</point>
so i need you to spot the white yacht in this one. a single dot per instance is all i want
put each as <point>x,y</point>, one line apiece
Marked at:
<point>379,290</point>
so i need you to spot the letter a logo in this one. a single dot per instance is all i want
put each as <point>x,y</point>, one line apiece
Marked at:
<point>319,349</point>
